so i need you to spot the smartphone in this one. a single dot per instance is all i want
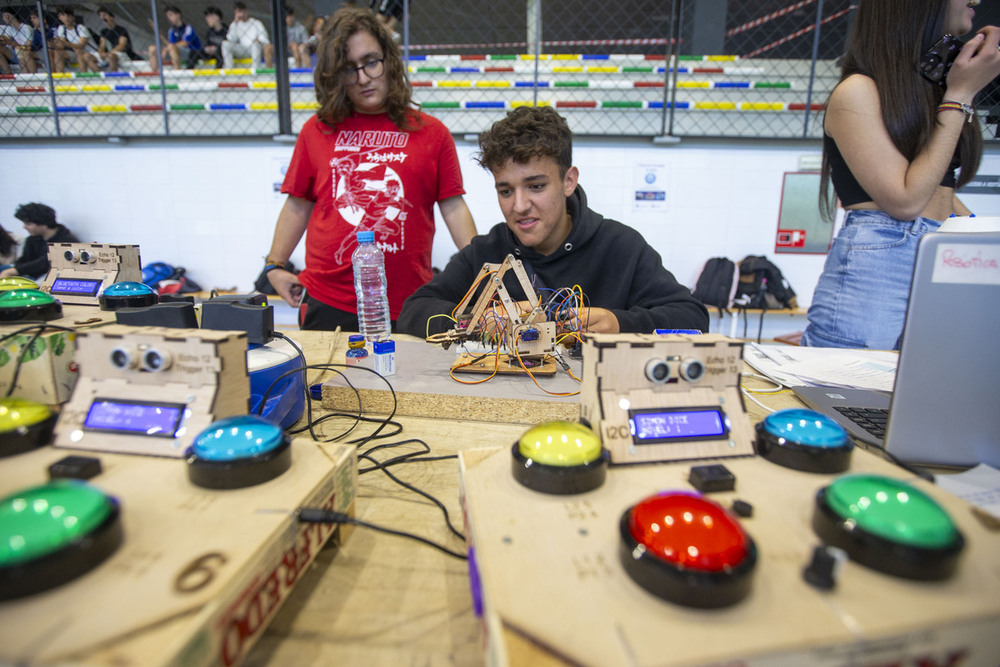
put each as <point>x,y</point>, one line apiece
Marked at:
<point>934,64</point>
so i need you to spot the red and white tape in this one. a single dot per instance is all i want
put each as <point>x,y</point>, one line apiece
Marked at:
<point>573,42</point>
<point>767,18</point>
<point>797,33</point>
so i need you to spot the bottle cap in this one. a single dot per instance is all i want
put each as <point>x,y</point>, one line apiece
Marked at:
<point>366,236</point>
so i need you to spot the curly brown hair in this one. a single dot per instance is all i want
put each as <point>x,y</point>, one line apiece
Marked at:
<point>524,134</point>
<point>331,63</point>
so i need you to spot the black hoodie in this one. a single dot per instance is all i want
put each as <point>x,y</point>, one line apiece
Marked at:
<point>34,260</point>
<point>611,262</point>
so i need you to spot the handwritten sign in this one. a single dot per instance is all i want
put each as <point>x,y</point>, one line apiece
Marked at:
<point>967,264</point>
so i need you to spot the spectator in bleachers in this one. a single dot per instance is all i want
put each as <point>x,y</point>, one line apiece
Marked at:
<point>182,43</point>
<point>40,223</point>
<point>297,36</point>
<point>307,50</point>
<point>247,38</point>
<point>369,159</point>
<point>37,45</point>
<point>215,36</point>
<point>73,41</point>
<point>116,44</point>
<point>390,14</point>
<point>15,43</point>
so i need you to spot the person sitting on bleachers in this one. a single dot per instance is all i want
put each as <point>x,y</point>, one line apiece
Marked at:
<point>183,45</point>
<point>116,44</point>
<point>297,36</point>
<point>215,36</point>
<point>306,51</point>
<point>40,223</point>
<point>247,38</point>
<point>73,41</point>
<point>15,43</point>
<point>37,45</point>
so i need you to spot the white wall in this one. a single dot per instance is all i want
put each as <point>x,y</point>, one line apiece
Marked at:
<point>211,206</point>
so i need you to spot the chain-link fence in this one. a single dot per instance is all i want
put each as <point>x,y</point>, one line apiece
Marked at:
<point>706,68</point>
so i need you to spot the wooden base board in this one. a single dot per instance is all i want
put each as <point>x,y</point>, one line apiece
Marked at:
<point>423,387</point>
<point>537,552</point>
<point>200,573</point>
<point>502,365</point>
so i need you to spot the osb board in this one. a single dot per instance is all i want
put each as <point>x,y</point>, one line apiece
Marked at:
<point>537,553</point>
<point>424,388</point>
<point>200,573</point>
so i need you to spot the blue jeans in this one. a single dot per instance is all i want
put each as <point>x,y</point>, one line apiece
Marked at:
<point>860,300</point>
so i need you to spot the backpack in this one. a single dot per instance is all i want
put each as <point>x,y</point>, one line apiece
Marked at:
<point>716,284</point>
<point>761,285</point>
<point>168,279</point>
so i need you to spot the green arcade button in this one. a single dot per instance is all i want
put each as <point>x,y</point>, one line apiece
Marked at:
<point>54,533</point>
<point>888,525</point>
<point>28,304</point>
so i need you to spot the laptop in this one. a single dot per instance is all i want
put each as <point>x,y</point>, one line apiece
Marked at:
<point>945,405</point>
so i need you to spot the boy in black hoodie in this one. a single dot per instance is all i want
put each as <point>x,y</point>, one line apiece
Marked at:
<point>560,241</point>
<point>40,223</point>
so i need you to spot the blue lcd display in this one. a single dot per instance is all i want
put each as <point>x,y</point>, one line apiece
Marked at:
<point>118,416</point>
<point>670,424</point>
<point>75,287</point>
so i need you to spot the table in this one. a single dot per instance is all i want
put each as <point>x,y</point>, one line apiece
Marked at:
<point>382,600</point>
<point>379,599</point>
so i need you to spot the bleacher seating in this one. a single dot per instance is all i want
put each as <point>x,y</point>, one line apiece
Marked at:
<point>628,92</point>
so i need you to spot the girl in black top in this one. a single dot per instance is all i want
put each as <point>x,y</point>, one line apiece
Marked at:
<point>893,138</point>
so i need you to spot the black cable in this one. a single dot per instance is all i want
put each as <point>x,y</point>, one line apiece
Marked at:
<point>328,367</point>
<point>412,457</point>
<point>891,458</point>
<point>25,329</point>
<point>314,515</point>
<point>376,434</point>
<point>404,458</point>
<point>334,367</point>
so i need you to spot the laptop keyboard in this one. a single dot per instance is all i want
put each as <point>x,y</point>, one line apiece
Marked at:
<point>872,420</point>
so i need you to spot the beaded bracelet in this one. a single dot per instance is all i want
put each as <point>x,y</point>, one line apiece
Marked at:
<point>958,106</point>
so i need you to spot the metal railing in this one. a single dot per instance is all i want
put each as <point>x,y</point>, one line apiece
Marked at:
<point>680,68</point>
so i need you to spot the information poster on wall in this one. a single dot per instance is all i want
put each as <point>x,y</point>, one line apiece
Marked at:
<point>650,187</point>
<point>801,228</point>
<point>278,168</point>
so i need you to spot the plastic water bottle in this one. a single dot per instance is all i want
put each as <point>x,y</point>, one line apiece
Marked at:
<point>369,285</point>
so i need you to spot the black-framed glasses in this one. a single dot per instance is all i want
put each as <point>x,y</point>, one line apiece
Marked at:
<point>373,69</point>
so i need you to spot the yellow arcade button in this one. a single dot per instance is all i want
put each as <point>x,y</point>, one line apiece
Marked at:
<point>560,443</point>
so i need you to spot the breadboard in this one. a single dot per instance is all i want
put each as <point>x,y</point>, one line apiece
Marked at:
<point>504,364</point>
